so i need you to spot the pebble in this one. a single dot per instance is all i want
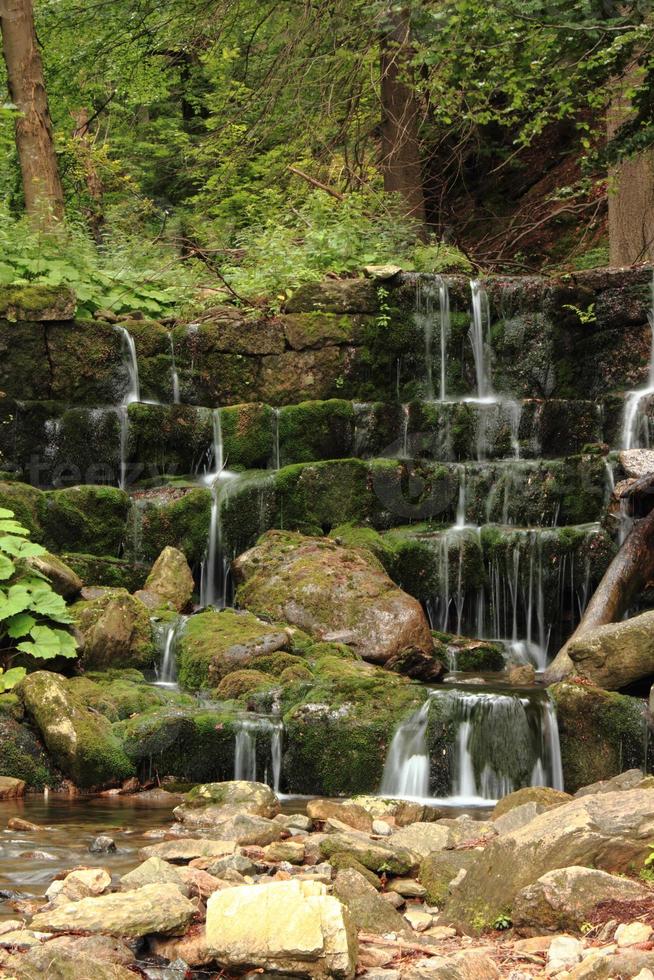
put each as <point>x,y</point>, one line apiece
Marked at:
<point>632,933</point>
<point>564,952</point>
<point>381,828</point>
<point>102,845</point>
<point>440,932</point>
<point>418,919</point>
<point>393,899</point>
<point>17,823</point>
<point>407,887</point>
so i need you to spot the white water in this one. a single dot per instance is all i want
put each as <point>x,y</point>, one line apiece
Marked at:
<point>428,293</point>
<point>248,732</point>
<point>214,578</point>
<point>502,741</point>
<point>173,369</point>
<point>167,636</point>
<point>480,339</point>
<point>635,425</point>
<point>132,394</point>
<point>276,450</point>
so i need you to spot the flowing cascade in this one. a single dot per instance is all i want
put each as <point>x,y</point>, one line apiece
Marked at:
<point>480,338</point>
<point>173,369</point>
<point>214,576</point>
<point>167,637</point>
<point>635,425</point>
<point>500,742</point>
<point>132,394</point>
<point>258,741</point>
<point>433,294</point>
<point>276,459</point>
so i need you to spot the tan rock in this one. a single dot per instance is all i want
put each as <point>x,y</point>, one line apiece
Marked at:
<point>171,579</point>
<point>417,919</point>
<point>286,850</point>
<point>632,934</point>
<point>348,813</point>
<point>185,849</point>
<point>85,882</point>
<point>285,927</point>
<point>153,871</point>
<point>469,965</point>
<point>11,788</point>
<point>191,948</point>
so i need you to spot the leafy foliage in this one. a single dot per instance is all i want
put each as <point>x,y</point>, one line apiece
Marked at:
<point>32,614</point>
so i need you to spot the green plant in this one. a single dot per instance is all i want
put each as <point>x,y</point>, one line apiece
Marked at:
<point>647,871</point>
<point>28,604</point>
<point>502,922</point>
<point>9,678</point>
<point>584,316</point>
<point>383,317</point>
<point>440,258</point>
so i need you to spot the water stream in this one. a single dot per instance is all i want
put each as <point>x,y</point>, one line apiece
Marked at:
<point>258,750</point>
<point>635,425</point>
<point>167,637</point>
<point>132,394</point>
<point>484,744</point>
<point>214,580</point>
<point>173,369</point>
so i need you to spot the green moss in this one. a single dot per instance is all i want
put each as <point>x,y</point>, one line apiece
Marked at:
<point>38,301</point>
<point>84,518</point>
<point>341,860</point>
<point>167,439</point>
<point>240,682</point>
<point>119,697</point>
<point>116,630</point>
<point>316,430</point>
<point>25,501</point>
<point>108,572</point>
<point>22,755</point>
<point>295,674</point>
<point>247,436</point>
<point>275,663</point>
<point>182,522</point>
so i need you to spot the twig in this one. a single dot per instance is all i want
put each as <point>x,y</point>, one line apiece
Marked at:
<point>317,183</point>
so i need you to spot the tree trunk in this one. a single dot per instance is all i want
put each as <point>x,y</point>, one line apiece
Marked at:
<point>401,163</point>
<point>629,572</point>
<point>44,196</point>
<point>631,191</point>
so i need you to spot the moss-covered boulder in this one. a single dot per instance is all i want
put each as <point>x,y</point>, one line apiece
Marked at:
<point>334,296</point>
<point>601,733</point>
<point>84,518</point>
<point>22,755</point>
<point>121,694</point>
<point>81,742</point>
<point>114,630</point>
<point>239,682</point>
<point>106,571</point>
<point>617,654</point>
<point>333,593</point>
<point>215,643</point>
<point>37,302</point>
<point>171,580</point>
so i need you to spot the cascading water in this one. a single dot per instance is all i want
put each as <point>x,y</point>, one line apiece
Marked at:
<point>497,742</point>
<point>276,455</point>
<point>480,339</point>
<point>214,578</point>
<point>432,295</point>
<point>251,732</point>
<point>132,394</point>
<point>173,369</point>
<point>635,425</point>
<point>167,637</point>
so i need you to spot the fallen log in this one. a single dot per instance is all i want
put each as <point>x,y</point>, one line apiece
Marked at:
<point>629,572</point>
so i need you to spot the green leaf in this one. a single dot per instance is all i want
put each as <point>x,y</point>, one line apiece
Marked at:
<point>9,678</point>
<point>67,644</point>
<point>20,548</point>
<point>15,602</point>
<point>46,645</point>
<point>45,602</point>
<point>20,625</point>
<point>12,527</point>
<point>5,513</point>
<point>7,568</point>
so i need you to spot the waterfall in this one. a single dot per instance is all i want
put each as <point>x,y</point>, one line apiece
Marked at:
<point>427,293</point>
<point>406,771</point>
<point>635,425</point>
<point>249,732</point>
<point>276,459</point>
<point>498,742</point>
<point>166,637</point>
<point>214,577</point>
<point>173,369</point>
<point>132,394</point>
<point>480,338</point>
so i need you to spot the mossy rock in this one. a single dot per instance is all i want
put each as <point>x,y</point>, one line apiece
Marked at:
<point>248,434</point>
<point>601,733</point>
<point>241,682</point>
<point>438,870</point>
<point>119,697</point>
<point>23,755</point>
<point>37,302</point>
<point>316,430</point>
<point>213,644</point>
<point>106,571</point>
<point>190,743</point>
<point>276,663</point>
<point>81,742</point>
<point>85,518</point>
<point>25,501</point>
<point>342,860</point>
<point>182,522</point>
<point>115,631</point>
<point>298,673</point>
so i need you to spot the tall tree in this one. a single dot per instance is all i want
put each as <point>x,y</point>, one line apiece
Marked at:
<point>400,147</point>
<point>44,196</point>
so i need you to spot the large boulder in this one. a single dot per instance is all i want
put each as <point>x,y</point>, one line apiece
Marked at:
<point>370,912</point>
<point>11,787</point>
<point>114,630</point>
<point>62,577</point>
<point>610,832</point>
<point>170,581</point>
<point>282,927</point>
<point>617,654</point>
<point>376,855</point>
<point>81,742</point>
<point>541,795</point>
<point>214,644</point>
<point>157,908</point>
<point>565,898</point>
<point>333,593</point>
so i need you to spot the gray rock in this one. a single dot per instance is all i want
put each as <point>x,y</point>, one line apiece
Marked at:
<point>153,871</point>
<point>368,909</point>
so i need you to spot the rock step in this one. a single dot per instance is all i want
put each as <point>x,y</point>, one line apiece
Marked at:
<point>47,442</point>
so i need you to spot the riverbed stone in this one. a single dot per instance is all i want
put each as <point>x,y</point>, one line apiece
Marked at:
<point>85,882</point>
<point>333,593</point>
<point>157,908</point>
<point>373,854</point>
<point>152,871</point>
<point>114,630</point>
<point>284,850</point>
<point>44,960</point>
<point>542,795</point>
<point>617,654</point>
<point>282,927</point>
<point>370,912</point>
<point>439,871</point>
<point>517,817</point>
<point>171,579</point>
<point>183,849</point>
<point>608,831</point>
<point>208,803</point>
<point>81,743</point>
<point>348,813</point>
<point>422,838</point>
<point>632,933</point>
<point>637,462</point>
<point>625,963</point>
<point>467,965</point>
<point>566,898</point>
